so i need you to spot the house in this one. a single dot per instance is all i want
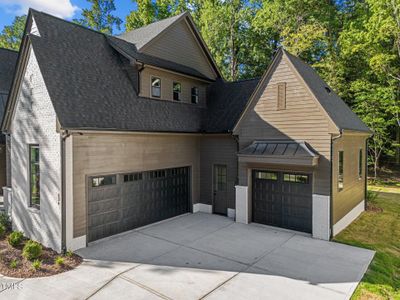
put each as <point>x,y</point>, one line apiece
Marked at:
<point>111,133</point>
<point>8,60</point>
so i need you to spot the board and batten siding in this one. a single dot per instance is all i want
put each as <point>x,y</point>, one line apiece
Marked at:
<point>189,52</point>
<point>167,80</point>
<point>302,120</point>
<point>353,191</point>
<point>217,150</point>
<point>101,154</point>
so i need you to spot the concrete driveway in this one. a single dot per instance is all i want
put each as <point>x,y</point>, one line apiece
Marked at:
<point>203,256</point>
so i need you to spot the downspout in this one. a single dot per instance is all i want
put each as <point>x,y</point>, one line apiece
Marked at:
<point>64,136</point>
<point>333,138</point>
<point>366,175</point>
<point>236,138</point>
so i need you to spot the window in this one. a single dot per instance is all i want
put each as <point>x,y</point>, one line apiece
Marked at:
<point>34,175</point>
<point>297,178</point>
<point>103,180</point>
<point>281,95</point>
<point>155,87</point>
<point>220,178</point>
<point>360,163</point>
<point>266,175</point>
<point>133,177</point>
<point>340,170</point>
<point>176,86</point>
<point>195,95</point>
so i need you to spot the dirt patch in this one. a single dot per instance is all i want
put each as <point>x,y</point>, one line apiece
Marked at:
<point>373,208</point>
<point>24,269</point>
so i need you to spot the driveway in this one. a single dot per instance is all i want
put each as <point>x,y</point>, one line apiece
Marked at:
<point>204,256</point>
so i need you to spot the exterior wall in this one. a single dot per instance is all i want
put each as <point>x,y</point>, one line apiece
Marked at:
<point>354,187</point>
<point>96,154</point>
<point>167,80</point>
<point>303,119</point>
<point>178,44</point>
<point>217,150</point>
<point>34,122</point>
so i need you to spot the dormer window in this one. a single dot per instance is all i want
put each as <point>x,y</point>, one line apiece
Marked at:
<point>195,95</point>
<point>155,87</point>
<point>176,86</point>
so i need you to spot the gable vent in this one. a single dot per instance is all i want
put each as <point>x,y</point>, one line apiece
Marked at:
<point>281,95</point>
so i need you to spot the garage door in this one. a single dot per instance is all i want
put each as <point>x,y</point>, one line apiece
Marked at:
<point>121,202</point>
<point>282,199</point>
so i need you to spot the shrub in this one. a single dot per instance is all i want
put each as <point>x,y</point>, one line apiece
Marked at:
<point>59,261</point>
<point>5,221</point>
<point>32,250</point>
<point>14,264</point>
<point>36,264</point>
<point>2,230</point>
<point>15,238</point>
<point>371,195</point>
<point>69,253</point>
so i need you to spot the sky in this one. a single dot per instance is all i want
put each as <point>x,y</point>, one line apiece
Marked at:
<point>67,9</point>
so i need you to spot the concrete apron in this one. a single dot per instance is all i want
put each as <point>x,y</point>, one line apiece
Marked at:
<point>205,256</point>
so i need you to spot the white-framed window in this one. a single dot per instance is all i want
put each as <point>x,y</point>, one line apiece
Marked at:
<point>176,88</point>
<point>195,95</point>
<point>155,87</point>
<point>34,176</point>
<point>340,178</point>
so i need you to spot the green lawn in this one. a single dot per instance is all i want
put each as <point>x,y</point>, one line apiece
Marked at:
<point>379,229</point>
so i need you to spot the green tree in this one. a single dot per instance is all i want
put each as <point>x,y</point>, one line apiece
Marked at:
<point>11,35</point>
<point>99,16</point>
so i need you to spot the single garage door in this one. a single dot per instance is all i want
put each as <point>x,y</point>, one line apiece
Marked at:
<point>282,199</point>
<point>120,202</point>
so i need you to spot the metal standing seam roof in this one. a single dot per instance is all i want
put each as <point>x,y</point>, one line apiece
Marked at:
<point>279,148</point>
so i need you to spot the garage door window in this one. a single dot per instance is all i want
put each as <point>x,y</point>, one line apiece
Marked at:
<point>297,178</point>
<point>103,180</point>
<point>157,174</point>
<point>133,177</point>
<point>266,175</point>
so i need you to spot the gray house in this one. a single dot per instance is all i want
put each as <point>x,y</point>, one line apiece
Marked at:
<point>108,134</point>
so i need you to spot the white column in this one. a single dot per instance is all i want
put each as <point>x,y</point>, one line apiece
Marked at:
<point>320,217</point>
<point>242,204</point>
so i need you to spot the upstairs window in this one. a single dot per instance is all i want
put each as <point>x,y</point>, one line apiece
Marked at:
<point>281,95</point>
<point>155,87</point>
<point>341,170</point>
<point>360,163</point>
<point>34,175</point>
<point>176,86</point>
<point>195,95</point>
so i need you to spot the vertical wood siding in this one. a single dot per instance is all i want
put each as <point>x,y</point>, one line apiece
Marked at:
<point>302,119</point>
<point>189,52</point>
<point>353,187</point>
<point>167,80</point>
<point>217,150</point>
<point>96,154</point>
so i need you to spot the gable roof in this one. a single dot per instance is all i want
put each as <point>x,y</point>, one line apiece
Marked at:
<point>90,87</point>
<point>337,110</point>
<point>141,36</point>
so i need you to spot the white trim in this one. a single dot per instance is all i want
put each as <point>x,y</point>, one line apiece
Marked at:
<point>201,207</point>
<point>349,218</point>
<point>321,217</point>
<point>242,204</point>
<point>231,213</point>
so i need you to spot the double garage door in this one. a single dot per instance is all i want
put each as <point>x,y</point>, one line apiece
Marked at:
<point>282,199</point>
<point>120,202</point>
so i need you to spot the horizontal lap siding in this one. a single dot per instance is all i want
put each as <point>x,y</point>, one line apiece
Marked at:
<point>217,150</point>
<point>303,119</point>
<point>354,188</point>
<point>178,44</point>
<point>96,154</point>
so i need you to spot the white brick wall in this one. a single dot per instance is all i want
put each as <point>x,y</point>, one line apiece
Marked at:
<point>34,122</point>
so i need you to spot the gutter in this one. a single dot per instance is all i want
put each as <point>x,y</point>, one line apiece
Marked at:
<point>63,136</point>
<point>333,138</point>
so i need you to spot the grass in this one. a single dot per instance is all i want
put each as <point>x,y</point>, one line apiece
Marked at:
<point>378,229</point>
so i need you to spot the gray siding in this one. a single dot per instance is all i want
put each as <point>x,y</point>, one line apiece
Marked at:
<point>34,122</point>
<point>217,150</point>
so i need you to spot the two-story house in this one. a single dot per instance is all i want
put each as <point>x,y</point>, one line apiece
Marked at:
<point>108,134</point>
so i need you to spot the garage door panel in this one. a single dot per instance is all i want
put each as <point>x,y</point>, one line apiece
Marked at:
<point>136,199</point>
<point>282,199</point>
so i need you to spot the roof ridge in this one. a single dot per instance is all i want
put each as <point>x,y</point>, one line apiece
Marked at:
<point>12,50</point>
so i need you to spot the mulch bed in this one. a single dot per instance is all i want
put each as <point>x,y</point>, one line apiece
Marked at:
<point>373,208</point>
<point>24,268</point>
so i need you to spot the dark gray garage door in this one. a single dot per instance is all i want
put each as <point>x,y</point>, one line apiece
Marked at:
<point>121,202</point>
<point>282,199</point>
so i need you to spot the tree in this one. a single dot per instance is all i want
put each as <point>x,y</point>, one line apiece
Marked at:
<point>99,16</point>
<point>11,35</point>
